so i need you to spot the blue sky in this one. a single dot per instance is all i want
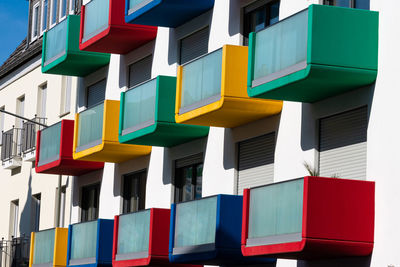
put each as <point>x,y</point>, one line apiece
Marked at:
<point>13,25</point>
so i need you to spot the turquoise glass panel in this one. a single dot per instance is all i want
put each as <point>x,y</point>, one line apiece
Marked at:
<point>201,79</point>
<point>84,240</point>
<point>140,105</point>
<point>281,45</point>
<point>276,209</point>
<point>50,144</point>
<point>195,222</point>
<point>96,18</point>
<point>136,4</point>
<point>56,41</point>
<point>90,126</point>
<point>134,232</point>
<point>43,249</point>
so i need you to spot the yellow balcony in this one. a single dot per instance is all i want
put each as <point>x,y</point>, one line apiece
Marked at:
<point>96,136</point>
<point>212,91</point>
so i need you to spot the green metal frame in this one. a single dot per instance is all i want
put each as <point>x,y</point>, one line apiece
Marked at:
<point>342,54</point>
<point>74,62</point>
<point>165,132</point>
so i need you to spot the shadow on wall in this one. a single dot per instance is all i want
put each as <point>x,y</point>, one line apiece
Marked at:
<point>25,223</point>
<point>343,262</point>
<point>312,112</point>
<point>234,12</point>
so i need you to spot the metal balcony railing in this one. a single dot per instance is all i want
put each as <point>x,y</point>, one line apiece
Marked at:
<point>14,252</point>
<point>29,130</point>
<point>11,144</point>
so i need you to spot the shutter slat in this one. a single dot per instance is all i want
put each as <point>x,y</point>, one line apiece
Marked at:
<point>194,45</point>
<point>256,162</point>
<point>197,158</point>
<point>96,93</point>
<point>343,145</point>
<point>140,71</point>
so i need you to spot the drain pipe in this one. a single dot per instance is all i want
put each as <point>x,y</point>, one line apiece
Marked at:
<point>58,210</point>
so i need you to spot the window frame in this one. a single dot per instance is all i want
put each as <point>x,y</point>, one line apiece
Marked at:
<point>130,65</point>
<point>128,179</point>
<point>66,88</point>
<point>52,16</point>
<point>35,25</point>
<point>191,34</point>
<point>60,7</point>
<point>352,3</point>
<point>87,188</point>
<point>2,124</point>
<point>179,181</point>
<point>87,92</point>
<point>43,11</point>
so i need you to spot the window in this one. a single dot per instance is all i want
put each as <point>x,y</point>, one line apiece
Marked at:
<point>14,215</point>
<point>343,145</point>
<point>188,178</point>
<point>90,203</point>
<point>134,192</point>
<point>258,16</point>
<point>35,22</point>
<point>194,45</point>
<point>72,6</point>
<point>20,111</point>
<point>140,71</point>
<point>65,95</point>
<point>41,104</point>
<point>43,21</point>
<point>35,212</point>
<point>362,4</point>
<point>54,6</point>
<point>61,215</point>
<point>1,124</point>
<point>63,10</point>
<point>96,93</point>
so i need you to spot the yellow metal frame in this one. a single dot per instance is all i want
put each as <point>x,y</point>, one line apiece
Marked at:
<point>60,248</point>
<point>235,107</point>
<point>110,150</point>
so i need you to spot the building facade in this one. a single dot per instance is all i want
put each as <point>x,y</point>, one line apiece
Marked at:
<point>268,91</point>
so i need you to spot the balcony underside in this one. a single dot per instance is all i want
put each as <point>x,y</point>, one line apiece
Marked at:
<point>314,83</point>
<point>230,112</point>
<point>69,167</point>
<point>119,39</point>
<point>164,134</point>
<point>76,64</point>
<point>112,152</point>
<point>169,13</point>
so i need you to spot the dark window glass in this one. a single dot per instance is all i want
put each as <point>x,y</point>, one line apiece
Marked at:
<point>361,4</point>
<point>134,192</point>
<point>90,203</point>
<point>96,93</point>
<point>258,16</point>
<point>35,212</point>
<point>188,182</point>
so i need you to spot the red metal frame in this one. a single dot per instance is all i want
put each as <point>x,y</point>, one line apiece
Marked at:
<point>338,220</point>
<point>65,165</point>
<point>120,37</point>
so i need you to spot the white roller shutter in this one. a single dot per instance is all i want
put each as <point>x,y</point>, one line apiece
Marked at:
<point>194,45</point>
<point>343,145</point>
<point>256,162</point>
<point>96,93</point>
<point>140,71</point>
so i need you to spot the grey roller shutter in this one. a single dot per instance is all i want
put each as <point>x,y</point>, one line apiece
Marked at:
<point>256,162</point>
<point>140,71</point>
<point>343,145</point>
<point>96,93</point>
<point>187,161</point>
<point>194,45</point>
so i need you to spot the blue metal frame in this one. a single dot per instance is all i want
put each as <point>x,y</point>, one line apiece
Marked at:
<point>227,237</point>
<point>167,13</point>
<point>104,244</point>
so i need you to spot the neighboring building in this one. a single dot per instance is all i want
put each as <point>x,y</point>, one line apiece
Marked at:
<point>337,118</point>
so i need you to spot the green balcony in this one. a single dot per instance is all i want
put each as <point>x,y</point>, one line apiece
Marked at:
<point>147,116</point>
<point>317,53</point>
<point>61,54</point>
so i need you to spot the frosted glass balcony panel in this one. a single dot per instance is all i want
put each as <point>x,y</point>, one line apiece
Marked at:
<point>50,144</point>
<point>276,209</point>
<point>281,46</point>
<point>134,232</point>
<point>56,41</point>
<point>44,247</point>
<point>90,127</point>
<point>195,222</point>
<point>137,4</point>
<point>201,80</point>
<point>84,240</point>
<point>140,106</point>
<point>96,18</point>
